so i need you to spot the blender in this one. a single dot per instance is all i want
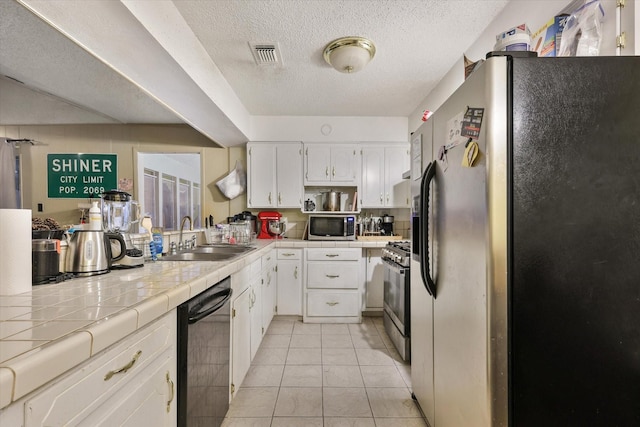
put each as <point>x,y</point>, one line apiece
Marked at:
<point>117,218</point>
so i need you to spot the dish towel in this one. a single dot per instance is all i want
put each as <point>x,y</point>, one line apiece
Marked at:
<point>8,195</point>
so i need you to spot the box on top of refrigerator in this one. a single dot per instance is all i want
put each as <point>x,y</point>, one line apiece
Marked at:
<point>546,41</point>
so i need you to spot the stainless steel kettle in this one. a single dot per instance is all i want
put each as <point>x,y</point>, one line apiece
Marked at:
<point>89,252</point>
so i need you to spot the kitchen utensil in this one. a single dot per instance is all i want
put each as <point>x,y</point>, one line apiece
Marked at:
<point>119,213</point>
<point>277,228</point>
<point>386,225</point>
<point>331,200</point>
<point>265,218</point>
<point>89,252</point>
<point>45,260</point>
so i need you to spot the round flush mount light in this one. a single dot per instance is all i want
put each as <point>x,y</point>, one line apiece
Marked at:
<point>349,54</point>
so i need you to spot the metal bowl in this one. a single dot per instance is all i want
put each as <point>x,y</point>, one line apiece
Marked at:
<point>277,228</point>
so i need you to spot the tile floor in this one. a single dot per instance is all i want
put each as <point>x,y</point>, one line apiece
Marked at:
<point>331,375</point>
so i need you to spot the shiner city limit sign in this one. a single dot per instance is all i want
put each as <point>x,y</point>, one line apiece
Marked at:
<point>80,176</point>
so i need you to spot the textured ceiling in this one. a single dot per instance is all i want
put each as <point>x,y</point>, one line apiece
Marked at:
<point>60,53</point>
<point>417,42</point>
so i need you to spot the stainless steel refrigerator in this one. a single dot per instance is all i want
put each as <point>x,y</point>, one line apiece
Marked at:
<point>525,283</point>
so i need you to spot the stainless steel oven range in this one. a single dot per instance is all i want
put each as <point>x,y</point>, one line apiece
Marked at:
<point>397,260</point>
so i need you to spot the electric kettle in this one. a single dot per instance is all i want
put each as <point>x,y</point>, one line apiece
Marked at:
<point>89,252</point>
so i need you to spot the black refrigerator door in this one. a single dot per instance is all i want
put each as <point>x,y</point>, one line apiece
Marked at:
<point>575,242</point>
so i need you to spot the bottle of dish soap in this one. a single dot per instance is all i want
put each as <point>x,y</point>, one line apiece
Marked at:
<point>95,217</point>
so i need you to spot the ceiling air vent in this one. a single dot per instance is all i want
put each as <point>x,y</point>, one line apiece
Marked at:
<point>266,53</point>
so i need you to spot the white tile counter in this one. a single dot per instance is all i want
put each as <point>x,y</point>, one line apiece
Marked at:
<point>53,328</point>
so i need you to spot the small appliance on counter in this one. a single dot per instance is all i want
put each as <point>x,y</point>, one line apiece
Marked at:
<point>45,260</point>
<point>386,225</point>
<point>117,217</point>
<point>271,225</point>
<point>89,252</point>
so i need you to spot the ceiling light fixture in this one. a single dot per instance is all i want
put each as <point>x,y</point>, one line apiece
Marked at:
<point>349,54</point>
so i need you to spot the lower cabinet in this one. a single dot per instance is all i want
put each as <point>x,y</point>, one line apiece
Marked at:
<point>269,289</point>
<point>333,291</point>
<point>374,280</point>
<point>240,338</point>
<point>102,393</point>
<point>289,273</point>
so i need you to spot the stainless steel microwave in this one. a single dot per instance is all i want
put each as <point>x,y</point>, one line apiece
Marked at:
<point>332,227</point>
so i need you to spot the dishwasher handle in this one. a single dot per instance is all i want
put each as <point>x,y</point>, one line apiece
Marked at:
<point>210,305</point>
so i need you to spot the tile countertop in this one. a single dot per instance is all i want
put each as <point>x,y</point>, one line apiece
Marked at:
<point>53,328</point>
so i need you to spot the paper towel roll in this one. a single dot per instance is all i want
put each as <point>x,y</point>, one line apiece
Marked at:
<point>15,251</point>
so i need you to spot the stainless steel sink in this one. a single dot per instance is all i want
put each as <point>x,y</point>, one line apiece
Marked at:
<point>208,253</point>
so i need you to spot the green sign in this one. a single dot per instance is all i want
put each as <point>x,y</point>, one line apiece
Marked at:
<point>79,176</point>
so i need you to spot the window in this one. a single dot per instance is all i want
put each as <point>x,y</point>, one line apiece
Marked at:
<point>169,199</point>
<point>151,204</point>
<point>185,199</point>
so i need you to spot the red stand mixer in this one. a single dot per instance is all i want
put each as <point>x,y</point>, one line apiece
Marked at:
<point>271,226</point>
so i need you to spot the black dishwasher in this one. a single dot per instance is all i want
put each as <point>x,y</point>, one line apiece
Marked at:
<point>203,357</point>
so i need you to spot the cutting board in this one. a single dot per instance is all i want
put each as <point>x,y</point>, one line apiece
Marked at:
<point>380,238</point>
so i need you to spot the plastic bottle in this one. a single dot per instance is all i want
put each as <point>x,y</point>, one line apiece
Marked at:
<point>95,217</point>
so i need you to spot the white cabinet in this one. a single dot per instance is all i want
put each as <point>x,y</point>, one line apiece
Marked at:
<point>268,289</point>
<point>331,164</point>
<point>382,184</point>
<point>130,384</point>
<point>240,338</point>
<point>255,312</point>
<point>289,273</point>
<point>333,290</point>
<point>274,176</point>
<point>374,279</point>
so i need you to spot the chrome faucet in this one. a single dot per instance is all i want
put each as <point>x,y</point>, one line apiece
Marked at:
<point>184,219</point>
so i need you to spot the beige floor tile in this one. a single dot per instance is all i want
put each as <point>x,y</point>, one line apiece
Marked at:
<point>302,376</point>
<point>345,402</point>
<point>297,422</point>
<point>367,341</point>
<point>280,327</point>
<point>270,356</point>
<point>382,376</point>
<point>304,356</point>
<point>263,376</point>
<point>339,356</point>
<point>400,422</point>
<point>350,422</point>
<point>305,341</point>
<point>335,328</point>
<point>392,403</point>
<point>365,328</point>
<point>336,341</point>
<point>405,373</point>
<point>253,402</point>
<point>342,376</point>
<point>370,356</point>
<point>306,328</point>
<point>275,341</point>
<point>246,422</point>
<point>299,402</point>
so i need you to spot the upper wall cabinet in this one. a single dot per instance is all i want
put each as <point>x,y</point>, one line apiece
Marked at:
<point>382,184</point>
<point>274,175</point>
<point>331,164</point>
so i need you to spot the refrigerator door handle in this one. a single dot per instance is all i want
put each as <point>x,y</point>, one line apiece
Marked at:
<point>425,189</point>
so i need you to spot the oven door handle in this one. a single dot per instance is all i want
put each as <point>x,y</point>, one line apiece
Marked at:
<point>218,299</point>
<point>425,190</point>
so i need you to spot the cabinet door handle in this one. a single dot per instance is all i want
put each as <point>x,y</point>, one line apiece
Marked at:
<point>172,393</point>
<point>381,198</point>
<point>288,254</point>
<point>269,197</point>
<point>279,198</point>
<point>326,171</point>
<point>332,303</point>
<point>125,368</point>
<point>332,255</point>
<point>332,276</point>
<point>387,197</point>
<point>333,171</point>
<point>295,273</point>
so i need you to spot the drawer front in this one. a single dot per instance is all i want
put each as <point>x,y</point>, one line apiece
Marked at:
<point>268,259</point>
<point>78,394</point>
<point>334,254</point>
<point>333,304</point>
<point>332,275</point>
<point>289,254</point>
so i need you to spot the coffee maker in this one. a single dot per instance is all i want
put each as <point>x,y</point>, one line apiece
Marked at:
<point>117,217</point>
<point>271,226</point>
<point>386,225</point>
